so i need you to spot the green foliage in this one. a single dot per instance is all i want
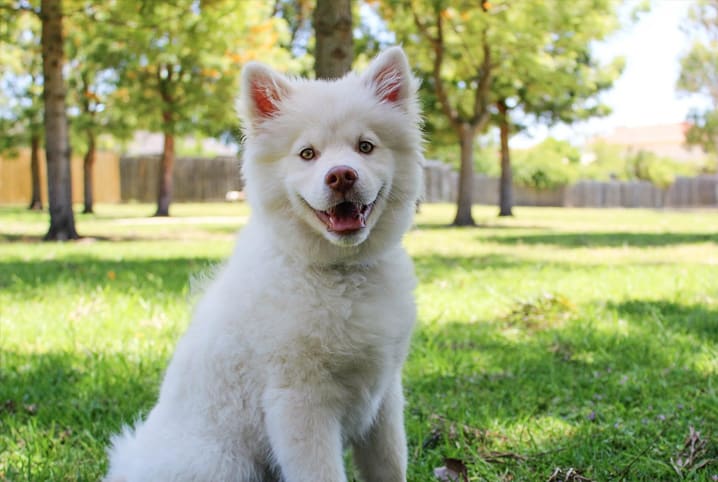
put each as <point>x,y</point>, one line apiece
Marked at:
<point>21,107</point>
<point>699,74</point>
<point>704,131</point>
<point>184,59</point>
<point>661,171</point>
<point>612,162</point>
<point>563,338</point>
<point>553,163</point>
<point>547,68</point>
<point>548,165</point>
<point>486,155</point>
<point>540,56</point>
<point>93,52</point>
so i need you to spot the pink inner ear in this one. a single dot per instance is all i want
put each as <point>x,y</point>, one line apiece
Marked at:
<point>388,84</point>
<point>265,98</point>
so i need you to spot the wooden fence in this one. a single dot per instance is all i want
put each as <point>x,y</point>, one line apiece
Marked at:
<point>701,191</point>
<point>195,179</point>
<point>16,183</point>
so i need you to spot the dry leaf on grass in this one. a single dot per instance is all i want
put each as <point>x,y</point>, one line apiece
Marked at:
<point>8,406</point>
<point>568,475</point>
<point>693,454</point>
<point>454,470</point>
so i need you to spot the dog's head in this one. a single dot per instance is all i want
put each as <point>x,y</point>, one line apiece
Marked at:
<point>334,166</point>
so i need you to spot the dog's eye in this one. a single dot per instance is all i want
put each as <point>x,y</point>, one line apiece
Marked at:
<point>307,154</point>
<point>365,147</point>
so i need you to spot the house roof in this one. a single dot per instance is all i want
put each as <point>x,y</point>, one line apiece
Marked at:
<point>652,134</point>
<point>668,140</point>
<point>149,143</point>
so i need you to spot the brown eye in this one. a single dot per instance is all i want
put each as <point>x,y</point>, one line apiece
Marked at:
<point>307,154</point>
<point>365,147</point>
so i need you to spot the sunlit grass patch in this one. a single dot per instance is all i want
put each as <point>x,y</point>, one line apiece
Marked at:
<point>561,338</point>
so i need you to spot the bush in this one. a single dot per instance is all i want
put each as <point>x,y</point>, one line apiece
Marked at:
<point>553,163</point>
<point>548,165</point>
<point>661,171</point>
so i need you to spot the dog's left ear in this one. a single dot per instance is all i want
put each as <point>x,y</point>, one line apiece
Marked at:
<point>389,76</point>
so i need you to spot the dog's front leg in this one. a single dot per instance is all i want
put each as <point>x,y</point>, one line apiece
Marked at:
<point>381,453</point>
<point>305,436</point>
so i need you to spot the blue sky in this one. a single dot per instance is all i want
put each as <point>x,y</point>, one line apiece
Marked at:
<point>645,94</point>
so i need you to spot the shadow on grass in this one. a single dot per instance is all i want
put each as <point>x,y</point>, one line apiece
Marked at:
<point>58,410</point>
<point>19,238</point>
<point>77,390</point>
<point>568,396</point>
<point>612,239</point>
<point>86,272</point>
<point>479,226</point>
<point>198,232</point>
<point>561,396</point>
<point>695,319</point>
<point>432,267</point>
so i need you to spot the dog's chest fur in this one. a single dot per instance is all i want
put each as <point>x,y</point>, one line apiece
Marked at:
<point>342,330</point>
<point>340,333</point>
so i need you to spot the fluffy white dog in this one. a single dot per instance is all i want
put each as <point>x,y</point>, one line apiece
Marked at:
<point>296,349</point>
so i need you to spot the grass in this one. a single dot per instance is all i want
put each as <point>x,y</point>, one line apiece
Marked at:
<point>560,339</point>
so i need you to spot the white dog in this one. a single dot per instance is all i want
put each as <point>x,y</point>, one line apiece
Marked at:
<point>296,349</point>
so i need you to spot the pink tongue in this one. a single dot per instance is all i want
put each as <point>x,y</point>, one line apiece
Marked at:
<point>345,217</point>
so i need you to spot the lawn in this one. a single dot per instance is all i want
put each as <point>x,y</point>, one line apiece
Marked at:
<point>562,344</point>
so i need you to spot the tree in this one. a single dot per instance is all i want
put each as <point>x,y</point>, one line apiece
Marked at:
<point>297,14</point>
<point>333,38</point>
<point>459,72</point>
<point>183,65</point>
<point>21,118</point>
<point>93,51</point>
<point>549,72</point>
<point>485,58</point>
<point>57,142</point>
<point>506,201</point>
<point>699,74</point>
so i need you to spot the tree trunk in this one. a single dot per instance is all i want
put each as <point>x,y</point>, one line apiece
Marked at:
<point>88,167</point>
<point>466,177</point>
<point>36,201</point>
<point>334,49</point>
<point>166,166</point>
<point>506,183</point>
<point>57,145</point>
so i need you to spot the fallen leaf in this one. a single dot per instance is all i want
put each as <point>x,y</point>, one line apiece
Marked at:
<point>454,470</point>
<point>693,454</point>
<point>569,475</point>
<point>8,406</point>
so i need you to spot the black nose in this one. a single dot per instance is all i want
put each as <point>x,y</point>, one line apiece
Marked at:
<point>341,178</point>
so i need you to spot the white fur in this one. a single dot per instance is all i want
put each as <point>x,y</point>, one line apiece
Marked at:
<point>295,350</point>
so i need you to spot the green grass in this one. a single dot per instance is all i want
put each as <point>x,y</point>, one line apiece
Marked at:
<point>584,339</point>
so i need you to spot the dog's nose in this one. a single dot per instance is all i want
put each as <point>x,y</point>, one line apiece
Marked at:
<point>341,178</point>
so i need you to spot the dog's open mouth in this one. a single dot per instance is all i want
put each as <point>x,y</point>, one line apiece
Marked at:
<point>346,217</point>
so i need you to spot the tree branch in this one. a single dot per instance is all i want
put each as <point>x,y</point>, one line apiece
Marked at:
<point>481,99</point>
<point>438,45</point>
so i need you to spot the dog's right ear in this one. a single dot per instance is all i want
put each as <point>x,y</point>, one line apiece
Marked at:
<point>261,94</point>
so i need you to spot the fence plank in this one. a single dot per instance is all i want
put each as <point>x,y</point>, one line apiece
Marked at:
<point>194,179</point>
<point>700,191</point>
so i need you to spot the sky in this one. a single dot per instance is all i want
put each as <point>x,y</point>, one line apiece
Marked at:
<point>645,94</point>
